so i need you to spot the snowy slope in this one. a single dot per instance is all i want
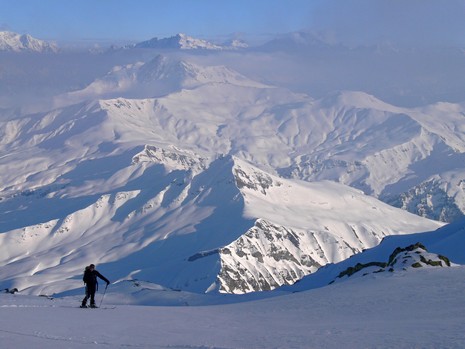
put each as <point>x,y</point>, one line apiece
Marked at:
<point>408,308</point>
<point>14,42</point>
<point>302,227</point>
<point>448,241</point>
<point>420,309</point>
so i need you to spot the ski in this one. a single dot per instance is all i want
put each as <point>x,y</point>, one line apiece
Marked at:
<point>112,307</point>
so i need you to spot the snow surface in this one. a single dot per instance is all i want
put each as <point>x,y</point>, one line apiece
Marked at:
<point>412,309</point>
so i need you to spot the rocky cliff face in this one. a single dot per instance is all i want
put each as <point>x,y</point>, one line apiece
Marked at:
<point>268,256</point>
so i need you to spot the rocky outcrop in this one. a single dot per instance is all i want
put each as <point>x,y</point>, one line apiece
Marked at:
<point>413,256</point>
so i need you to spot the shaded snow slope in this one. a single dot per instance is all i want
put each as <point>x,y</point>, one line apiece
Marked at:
<point>146,218</point>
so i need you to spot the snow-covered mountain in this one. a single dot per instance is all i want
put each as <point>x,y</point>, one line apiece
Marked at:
<point>160,76</point>
<point>171,217</point>
<point>278,251</point>
<point>409,157</point>
<point>198,187</point>
<point>351,306</point>
<point>185,42</point>
<point>14,42</point>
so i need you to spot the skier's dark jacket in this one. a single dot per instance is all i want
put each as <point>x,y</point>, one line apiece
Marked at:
<point>90,278</point>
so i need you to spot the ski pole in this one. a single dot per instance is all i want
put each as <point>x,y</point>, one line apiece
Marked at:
<point>103,295</point>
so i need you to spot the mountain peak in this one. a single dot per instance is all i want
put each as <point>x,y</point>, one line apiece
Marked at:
<point>160,76</point>
<point>179,41</point>
<point>14,42</point>
<point>183,41</point>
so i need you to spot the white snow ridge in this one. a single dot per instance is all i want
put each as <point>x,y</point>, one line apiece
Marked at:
<point>229,206</point>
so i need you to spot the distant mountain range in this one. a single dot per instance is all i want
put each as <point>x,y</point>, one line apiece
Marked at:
<point>14,42</point>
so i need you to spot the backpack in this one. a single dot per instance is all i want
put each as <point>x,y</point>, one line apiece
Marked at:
<point>87,277</point>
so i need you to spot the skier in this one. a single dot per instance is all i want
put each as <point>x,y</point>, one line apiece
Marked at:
<point>90,279</point>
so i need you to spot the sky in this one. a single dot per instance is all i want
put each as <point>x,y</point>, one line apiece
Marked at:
<point>144,19</point>
<point>407,21</point>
